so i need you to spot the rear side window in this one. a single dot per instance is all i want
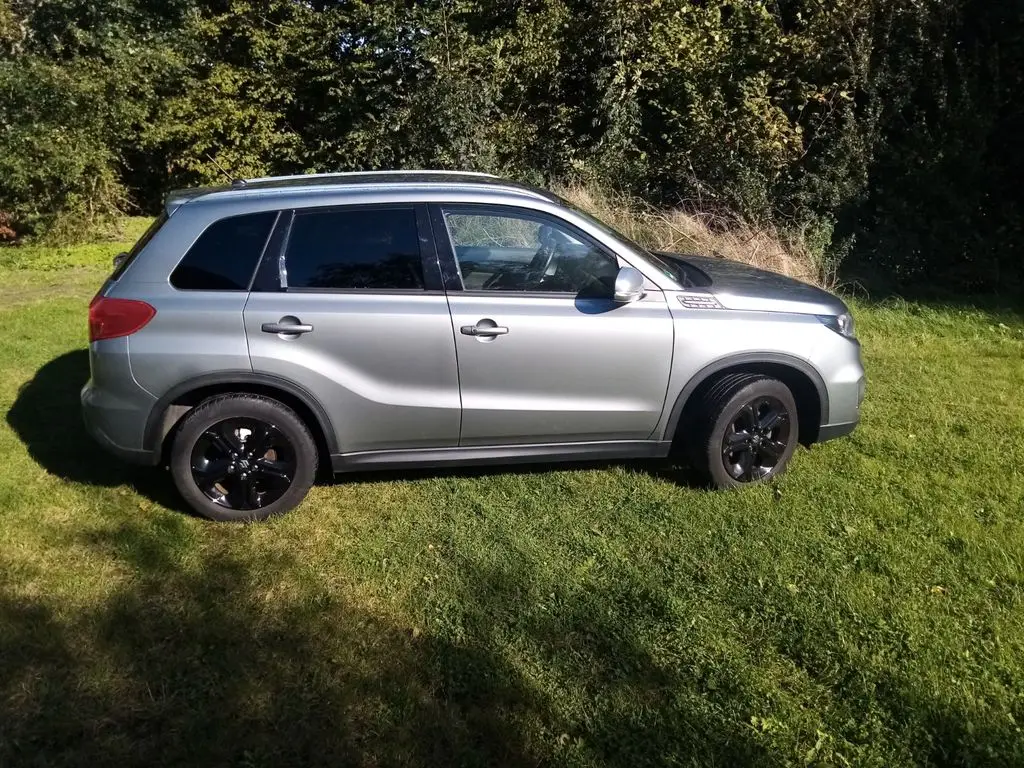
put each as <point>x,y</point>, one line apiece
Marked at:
<point>148,235</point>
<point>353,249</point>
<point>225,255</point>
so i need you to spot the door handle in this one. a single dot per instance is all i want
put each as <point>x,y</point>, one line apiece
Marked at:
<point>483,330</point>
<point>287,325</point>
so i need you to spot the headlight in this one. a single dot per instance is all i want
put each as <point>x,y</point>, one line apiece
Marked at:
<point>841,324</point>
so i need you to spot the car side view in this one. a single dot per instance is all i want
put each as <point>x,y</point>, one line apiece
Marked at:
<point>261,332</point>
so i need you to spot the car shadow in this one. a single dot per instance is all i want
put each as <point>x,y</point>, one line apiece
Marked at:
<point>661,469</point>
<point>47,418</point>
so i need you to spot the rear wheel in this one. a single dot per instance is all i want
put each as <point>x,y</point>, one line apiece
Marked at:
<point>747,432</point>
<point>243,457</point>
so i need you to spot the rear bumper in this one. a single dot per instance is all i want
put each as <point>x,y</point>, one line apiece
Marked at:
<point>99,419</point>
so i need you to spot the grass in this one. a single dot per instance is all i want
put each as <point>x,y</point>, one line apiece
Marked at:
<point>867,610</point>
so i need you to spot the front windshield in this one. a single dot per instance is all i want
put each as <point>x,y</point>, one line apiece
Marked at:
<point>669,270</point>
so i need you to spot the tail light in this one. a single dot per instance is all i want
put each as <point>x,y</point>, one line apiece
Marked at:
<point>111,318</point>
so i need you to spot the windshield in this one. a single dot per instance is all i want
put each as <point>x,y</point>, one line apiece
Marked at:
<point>683,273</point>
<point>673,272</point>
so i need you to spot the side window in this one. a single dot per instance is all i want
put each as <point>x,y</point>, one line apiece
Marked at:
<point>358,248</point>
<point>507,252</point>
<point>225,255</point>
<point>143,241</point>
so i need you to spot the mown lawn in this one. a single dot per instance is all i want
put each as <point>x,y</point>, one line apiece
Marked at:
<point>867,610</point>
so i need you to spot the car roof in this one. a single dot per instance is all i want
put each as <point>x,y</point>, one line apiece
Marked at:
<point>287,186</point>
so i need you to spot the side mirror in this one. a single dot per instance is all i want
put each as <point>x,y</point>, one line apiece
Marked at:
<point>120,259</point>
<point>629,285</point>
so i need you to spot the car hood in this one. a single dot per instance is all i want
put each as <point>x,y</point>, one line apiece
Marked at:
<point>740,286</point>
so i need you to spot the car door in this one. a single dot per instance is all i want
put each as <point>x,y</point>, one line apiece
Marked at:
<point>349,305</point>
<point>544,353</point>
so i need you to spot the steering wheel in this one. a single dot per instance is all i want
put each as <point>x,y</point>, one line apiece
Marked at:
<point>540,264</point>
<point>550,240</point>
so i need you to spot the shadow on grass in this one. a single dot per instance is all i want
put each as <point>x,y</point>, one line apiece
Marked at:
<point>206,666</point>
<point>874,289</point>
<point>663,469</point>
<point>228,661</point>
<point>47,417</point>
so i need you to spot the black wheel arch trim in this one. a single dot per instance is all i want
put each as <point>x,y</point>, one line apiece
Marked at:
<point>153,437</point>
<point>747,359</point>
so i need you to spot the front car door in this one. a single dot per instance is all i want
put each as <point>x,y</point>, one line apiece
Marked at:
<point>349,305</point>
<point>544,354</point>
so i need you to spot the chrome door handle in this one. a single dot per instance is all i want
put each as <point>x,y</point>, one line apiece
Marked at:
<point>294,329</point>
<point>483,330</point>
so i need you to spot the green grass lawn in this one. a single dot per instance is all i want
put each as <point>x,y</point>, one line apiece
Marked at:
<point>866,610</point>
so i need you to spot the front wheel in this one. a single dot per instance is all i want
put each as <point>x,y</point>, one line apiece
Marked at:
<point>748,430</point>
<point>242,457</point>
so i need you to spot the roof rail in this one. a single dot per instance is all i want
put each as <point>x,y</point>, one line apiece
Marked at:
<point>348,174</point>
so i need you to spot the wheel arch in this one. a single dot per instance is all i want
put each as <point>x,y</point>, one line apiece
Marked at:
<point>168,411</point>
<point>803,380</point>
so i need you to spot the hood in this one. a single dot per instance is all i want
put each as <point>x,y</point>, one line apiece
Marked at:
<point>740,286</point>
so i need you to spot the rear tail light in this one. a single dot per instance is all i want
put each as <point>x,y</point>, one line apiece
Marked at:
<point>111,318</point>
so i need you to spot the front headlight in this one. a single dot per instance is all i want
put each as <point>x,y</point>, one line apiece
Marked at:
<point>841,324</point>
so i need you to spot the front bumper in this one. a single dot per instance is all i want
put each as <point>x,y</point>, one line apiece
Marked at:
<point>832,431</point>
<point>845,426</point>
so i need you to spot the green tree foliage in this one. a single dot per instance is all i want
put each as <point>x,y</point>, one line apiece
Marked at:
<point>890,124</point>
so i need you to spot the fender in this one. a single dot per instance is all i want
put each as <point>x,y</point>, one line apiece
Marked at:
<point>152,436</point>
<point>747,359</point>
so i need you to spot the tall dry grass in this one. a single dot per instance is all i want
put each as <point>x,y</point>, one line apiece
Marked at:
<point>715,235</point>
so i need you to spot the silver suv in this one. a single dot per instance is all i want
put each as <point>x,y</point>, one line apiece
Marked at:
<point>421,319</point>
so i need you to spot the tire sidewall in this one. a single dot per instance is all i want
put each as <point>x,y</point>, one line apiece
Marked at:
<point>225,407</point>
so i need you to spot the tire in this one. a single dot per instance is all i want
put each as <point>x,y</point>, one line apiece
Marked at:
<point>242,457</point>
<point>746,430</point>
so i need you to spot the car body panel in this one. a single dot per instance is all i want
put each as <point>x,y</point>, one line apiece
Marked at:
<point>383,366</point>
<point>193,333</point>
<point>569,369</point>
<point>743,287</point>
<point>114,406</point>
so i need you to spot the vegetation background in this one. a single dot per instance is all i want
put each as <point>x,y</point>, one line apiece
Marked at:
<point>886,131</point>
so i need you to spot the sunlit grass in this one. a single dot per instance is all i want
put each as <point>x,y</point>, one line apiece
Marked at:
<point>866,610</point>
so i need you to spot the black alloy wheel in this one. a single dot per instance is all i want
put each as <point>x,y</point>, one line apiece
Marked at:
<point>243,463</point>
<point>756,440</point>
<point>744,430</point>
<point>240,457</point>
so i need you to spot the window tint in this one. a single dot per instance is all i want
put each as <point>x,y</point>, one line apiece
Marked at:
<point>505,252</point>
<point>367,248</point>
<point>225,255</point>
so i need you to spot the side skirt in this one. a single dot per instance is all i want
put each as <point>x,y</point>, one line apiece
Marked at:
<point>500,454</point>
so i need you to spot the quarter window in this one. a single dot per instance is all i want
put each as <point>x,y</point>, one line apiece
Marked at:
<point>361,249</point>
<point>508,252</point>
<point>225,255</point>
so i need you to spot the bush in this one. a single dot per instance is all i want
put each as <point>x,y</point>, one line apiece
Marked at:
<point>887,128</point>
<point>57,173</point>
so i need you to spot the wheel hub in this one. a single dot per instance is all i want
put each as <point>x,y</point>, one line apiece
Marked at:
<point>243,463</point>
<point>756,440</point>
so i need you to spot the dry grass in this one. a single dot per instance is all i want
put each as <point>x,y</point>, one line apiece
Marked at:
<point>707,234</point>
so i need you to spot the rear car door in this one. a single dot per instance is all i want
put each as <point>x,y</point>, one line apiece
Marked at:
<point>545,355</point>
<point>348,304</point>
